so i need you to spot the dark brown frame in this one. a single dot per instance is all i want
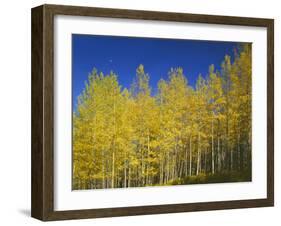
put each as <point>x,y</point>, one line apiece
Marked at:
<point>42,203</point>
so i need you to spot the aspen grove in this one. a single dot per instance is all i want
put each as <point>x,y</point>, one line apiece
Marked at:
<point>177,135</point>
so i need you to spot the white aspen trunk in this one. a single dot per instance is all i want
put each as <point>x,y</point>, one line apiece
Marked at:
<point>198,155</point>
<point>249,154</point>
<point>161,171</point>
<point>213,160</point>
<point>142,168</point>
<point>148,151</point>
<point>168,167</point>
<point>190,156</point>
<point>231,159</point>
<point>129,176</point>
<point>125,173</point>
<point>113,169</point>
<point>103,173</point>
<point>113,151</point>
<point>175,162</point>
<point>186,161</point>
<point>205,161</point>
<point>219,155</point>
<point>238,150</point>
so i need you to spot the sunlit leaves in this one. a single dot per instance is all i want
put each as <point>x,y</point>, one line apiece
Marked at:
<point>130,138</point>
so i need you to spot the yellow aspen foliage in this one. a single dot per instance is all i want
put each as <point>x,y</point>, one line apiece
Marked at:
<point>178,134</point>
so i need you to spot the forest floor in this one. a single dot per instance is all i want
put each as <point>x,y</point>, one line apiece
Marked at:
<point>202,178</point>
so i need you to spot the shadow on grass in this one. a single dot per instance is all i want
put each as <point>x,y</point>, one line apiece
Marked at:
<point>225,177</point>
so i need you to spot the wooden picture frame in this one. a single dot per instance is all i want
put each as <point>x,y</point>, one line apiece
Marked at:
<point>42,203</point>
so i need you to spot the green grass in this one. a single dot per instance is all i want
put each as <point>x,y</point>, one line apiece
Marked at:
<point>214,178</point>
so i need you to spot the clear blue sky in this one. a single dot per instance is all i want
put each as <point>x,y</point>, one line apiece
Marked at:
<point>122,55</point>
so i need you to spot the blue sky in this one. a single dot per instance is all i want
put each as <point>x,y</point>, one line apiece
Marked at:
<point>122,55</point>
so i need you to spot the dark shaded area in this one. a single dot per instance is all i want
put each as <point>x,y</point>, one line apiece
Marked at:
<point>224,177</point>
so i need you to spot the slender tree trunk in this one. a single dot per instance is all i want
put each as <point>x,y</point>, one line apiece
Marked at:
<point>249,157</point>
<point>148,152</point>
<point>175,162</point>
<point>219,155</point>
<point>161,170</point>
<point>238,151</point>
<point>106,174</point>
<point>213,159</point>
<point>205,161</point>
<point>186,161</point>
<point>198,155</point>
<point>231,159</point>
<point>168,167</point>
<point>103,173</point>
<point>129,176</point>
<point>113,169</point>
<point>113,151</point>
<point>125,173</point>
<point>142,167</point>
<point>190,155</point>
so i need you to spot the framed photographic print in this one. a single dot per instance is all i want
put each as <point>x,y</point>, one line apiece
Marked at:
<point>141,112</point>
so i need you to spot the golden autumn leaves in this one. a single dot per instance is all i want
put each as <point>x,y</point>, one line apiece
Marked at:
<point>180,135</point>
